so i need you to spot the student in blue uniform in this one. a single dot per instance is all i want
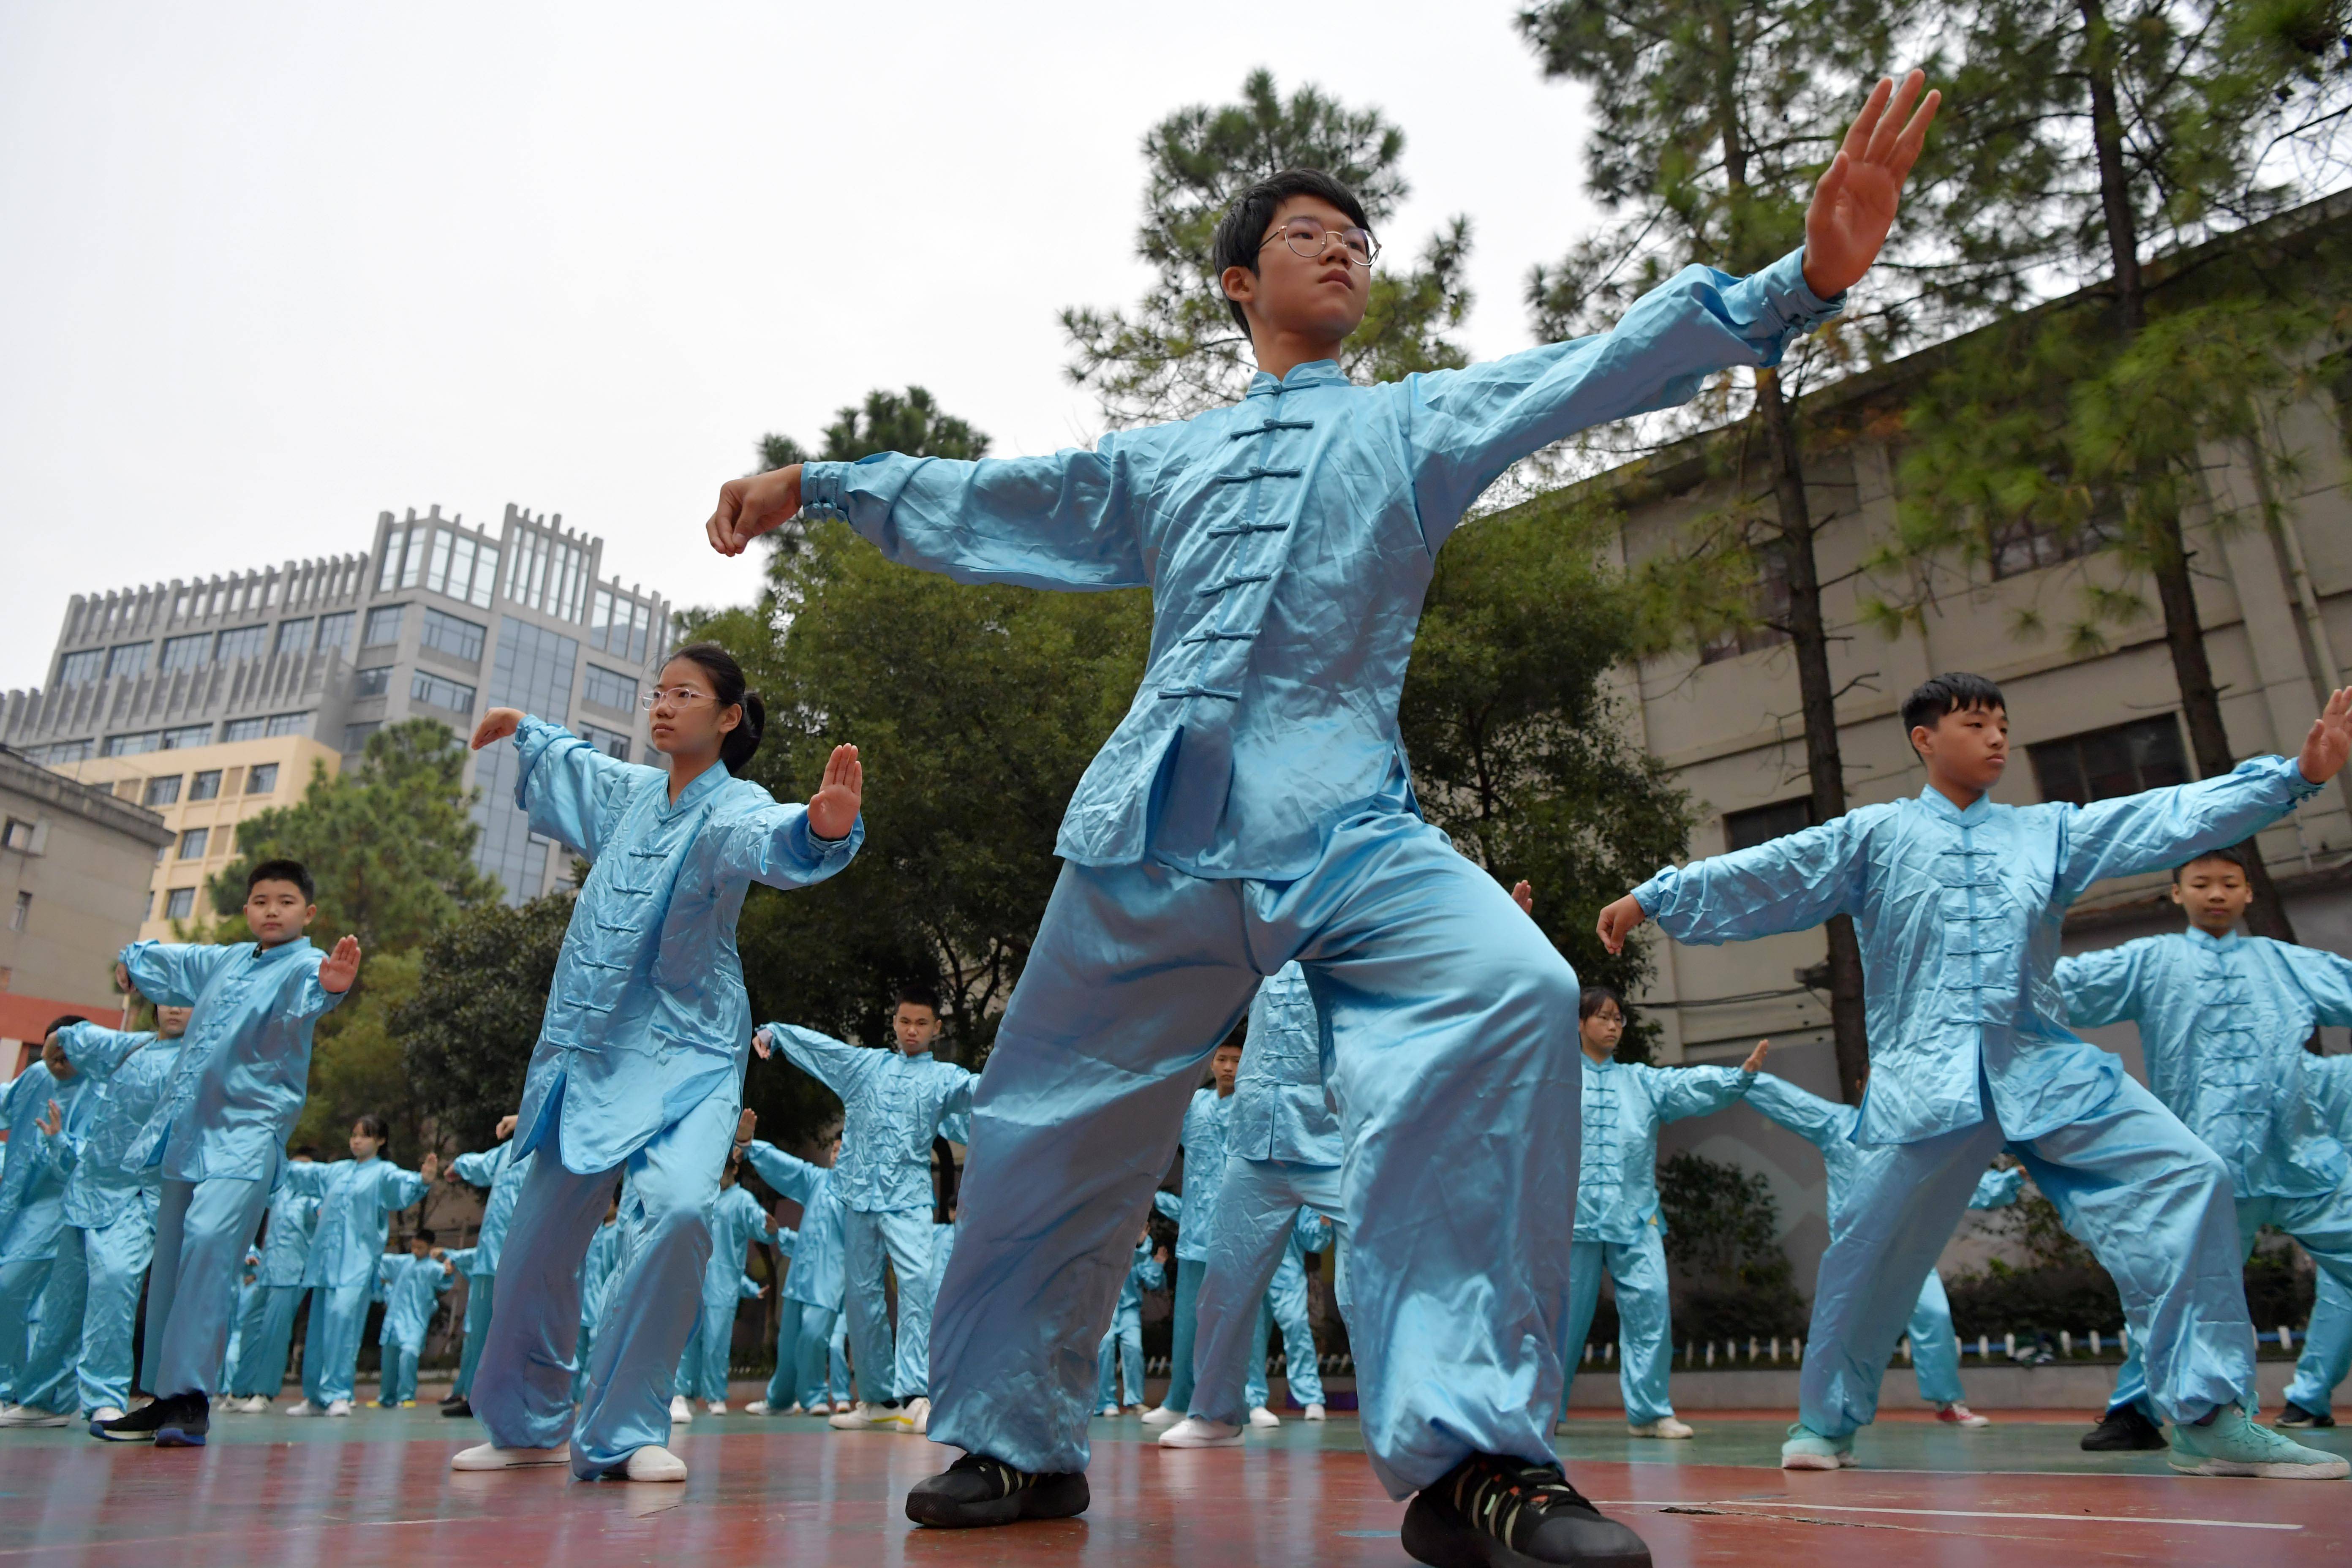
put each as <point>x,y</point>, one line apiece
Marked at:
<point>1957,901</point>
<point>1829,1127</point>
<point>1254,806</point>
<point>502,1171</point>
<point>92,1301</point>
<point>1284,1307</point>
<point>267,1317</point>
<point>410,1284</point>
<point>2328,1343</point>
<point>735,1217</point>
<point>1194,1209</point>
<point>242,1078</point>
<point>811,1298</point>
<point>894,1102</point>
<point>32,1220</point>
<point>598,1266</point>
<point>357,1198</point>
<point>640,1061</point>
<point>1121,1356</point>
<point>2223,1020</point>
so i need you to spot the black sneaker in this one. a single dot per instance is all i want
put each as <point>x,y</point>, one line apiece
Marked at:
<point>1493,1513</point>
<point>2123,1430</point>
<point>977,1490</point>
<point>175,1421</point>
<point>456,1406</point>
<point>2297,1415</point>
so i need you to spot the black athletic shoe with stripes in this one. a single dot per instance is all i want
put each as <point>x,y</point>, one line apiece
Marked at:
<point>175,1421</point>
<point>1493,1513</point>
<point>2124,1430</point>
<point>978,1491</point>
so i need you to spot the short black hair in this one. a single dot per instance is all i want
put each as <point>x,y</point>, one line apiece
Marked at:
<point>2235,854</point>
<point>915,993</point>
<point>1954,691</point>
<point>1241,233</point>
<point>424,1235</point>
<point>300,1150</point>
<point>292,871</point>
<point>1589,1000</point>
<point>61,1021</point>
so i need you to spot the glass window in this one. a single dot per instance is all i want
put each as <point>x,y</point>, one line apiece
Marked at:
<point>440,693</point>
<point>372,682</point>
<point>163,791</point>
<point>17,835</point>
<point>179,903</point>
<point>184,736</point>
<point>244,642</point>
<point>294,636</point>
<point>485,578</point>
<point>1762,824</point>
<point>611,742</point>
<point>609,689</point>
<point>335,630</point>
<point>131,659</point>
<point>1770,604</point>
<point>186,653</point>
<point>265,729</point>
<point>382,626</point>
<point>533,670</point>
<point>61,751</point>
<point>192,843</point>
<point>205,785</point>
<point>599,619</point>
<point>261,779</point>
<point>460,639</point>
<point>127,745</point>
<point>2100,764</point>
<point>81,669</point>
<point>22,912</point>
<point>355,736</point>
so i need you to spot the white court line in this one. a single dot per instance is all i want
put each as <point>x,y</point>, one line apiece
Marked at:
<point>1962,1513</point>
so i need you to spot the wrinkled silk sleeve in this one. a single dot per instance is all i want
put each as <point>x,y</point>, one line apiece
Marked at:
<point>97,1050</point>
<point>773,847</point>
<point>2158,828</point>
<point>1168,1204</point>
<point>747,1288</point>
<point>785,1239</point>
<point>1818,1121</point>
<point>1998,1189</point>
<point>2324,977</point>
<point>570,791</point>
<point>835,1064</point>
<point>1463,428</point>
<point>461,1258</point>
<point>1677,1092</point>
<point>2101,987</point>
<point>480,1167</point>
<point>174,973</point>
<point>397,1189</point>
<point>1311,1231</point>
<point>789,1175</point>
<point>1792,883</point>
<point>2329,1080</point>
<point>308,1178</point>
<point>1067,521</point>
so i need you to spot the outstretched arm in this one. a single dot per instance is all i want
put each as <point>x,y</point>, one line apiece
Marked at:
<point>2325,979</point>
<point>570,791</point>
<point>1817,1121</point>
<point>1792,883</point>
<point>1678,1092</point>
<point>795,846</point>
<point>836,1063</point>
<point>172,973</point>
<point>2102,987</point>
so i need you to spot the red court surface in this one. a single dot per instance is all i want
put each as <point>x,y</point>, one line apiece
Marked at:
<point>377,1489</point>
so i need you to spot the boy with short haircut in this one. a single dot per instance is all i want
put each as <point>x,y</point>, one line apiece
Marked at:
<point>2223,1020</point>
<point>410,1283</point>
<point>1958,903</point>
<point>232,1102</point>
<point>1194,1207</point>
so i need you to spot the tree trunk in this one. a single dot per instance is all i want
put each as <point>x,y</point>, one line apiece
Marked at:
<point>2176,590</point>
<point>1817,699</point>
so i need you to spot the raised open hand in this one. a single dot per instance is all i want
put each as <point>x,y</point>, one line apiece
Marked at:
<point>1524,895</point>
<point>833,809</point>
<point>432,1166</point>
<point>341,966</point>
<point>54,1123</point>
<point>2329,743</point>
<point>497,725</point>
<point>749,508</point>
<point>1755,1062</point>
<point>1853,205</point>
<point>746,1124</point>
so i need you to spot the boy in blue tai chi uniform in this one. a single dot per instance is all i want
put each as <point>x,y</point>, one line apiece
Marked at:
<point>357,1198</point>
<point>410,1284</point>
<point>1121,1355</point>
<point>1194,1207</point>
<point>2327,1345</point>
<point>2222,1021</point>
<point>265,1321</point>
<point>1254,806</point>
<point>734,1218</point>
<point>1958,903</point>
<point>31,1222</point>
<point>894,1101</point>
<point>1829,1127</point>
<point>502,1170</point>
<point>810,1298</point>
<point>219,1135</point>
<point>1284,1307</point>
<point>92,1301</point>
<point>640,1061</point>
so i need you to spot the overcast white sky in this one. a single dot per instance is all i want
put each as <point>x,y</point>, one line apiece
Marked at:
<point>271,268</point>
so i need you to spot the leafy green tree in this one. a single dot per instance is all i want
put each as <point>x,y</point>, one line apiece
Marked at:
<point>390,843</point>
<point>462,1033</point>
<point>356,1068</point>
<point>1723,1240</point>
<point>1178,351</point>
<point>1713,119</point>
<point>910,421</point>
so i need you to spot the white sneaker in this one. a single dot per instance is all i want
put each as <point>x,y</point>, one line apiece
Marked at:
<point>792,1410</point>
<point>106,1413</point>
<point>31,1415</point>
<point>715,1407</point>
<point>759,1407</point>
<point>1262,1417</point>
<point>490,1456</point>
<point>861,1416</point>
<point>338,1407</point>
<point>654,1463</point>
<point>1108,1410</point>
<point>918,1417</point>
<point>682,1409</point>
<point>819,1408</point>
<point>1315,1413</point>
<point>1195,1432</point>
<point>309,1407</point>
<point>1161,1415</point>
<point>1663,1427</point>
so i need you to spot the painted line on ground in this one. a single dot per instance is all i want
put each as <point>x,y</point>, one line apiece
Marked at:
<point>1949,1512</point>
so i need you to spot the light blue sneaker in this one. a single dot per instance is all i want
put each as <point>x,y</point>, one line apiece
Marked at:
<point>1807,1449</point>
<point>2231,1443</point>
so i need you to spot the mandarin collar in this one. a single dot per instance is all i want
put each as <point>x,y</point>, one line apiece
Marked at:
<point>693,795</point>
<point>264,954</point>
<point>1941,805</point>
<point>2198,938</point>
<point>1314,372</point>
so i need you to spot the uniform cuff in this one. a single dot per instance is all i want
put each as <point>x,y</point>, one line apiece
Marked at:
<point>821,489</point>
<point>1787,295</point>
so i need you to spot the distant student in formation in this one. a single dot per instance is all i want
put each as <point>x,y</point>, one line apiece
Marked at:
<point>1194,1207</point>
<point>502,1172</point>
<point>915,1326</point>
<point>32,1221</point>
<point>894,1102</point>
<point>1829,1127</point>
<point>265,1321</point>
<point>811,1298</point>
<point>1284,1307</point>
<point>410,1281</point>
<point>1121,1355</point>
<point>2223,1020</point>
<point>220,1133</point>
<point>2327,1345</point>
<point>734,1218</point>
<point>1958,900</point>
<point>357,1198</point>
<point>91,1303</point>
<point>597,1268</point>
<point>641,1056</point>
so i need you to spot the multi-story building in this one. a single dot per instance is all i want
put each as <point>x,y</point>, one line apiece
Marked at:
<point>435,619</point>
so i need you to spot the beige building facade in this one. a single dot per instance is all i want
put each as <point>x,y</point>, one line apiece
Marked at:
<point>74,867</point>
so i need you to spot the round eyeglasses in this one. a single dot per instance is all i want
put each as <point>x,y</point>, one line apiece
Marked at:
<point>1307,237</point>
<point>676,696</point>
